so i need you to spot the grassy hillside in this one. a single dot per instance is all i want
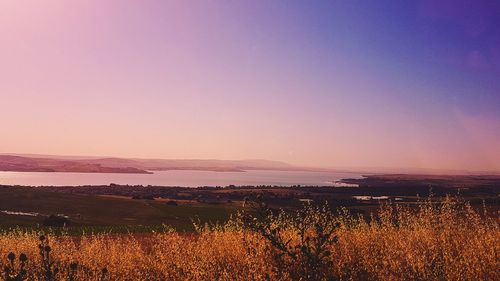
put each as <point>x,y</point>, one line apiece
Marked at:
<point>445,240</point>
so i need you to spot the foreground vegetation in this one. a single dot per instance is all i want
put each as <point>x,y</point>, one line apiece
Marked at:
<point>445,240</point>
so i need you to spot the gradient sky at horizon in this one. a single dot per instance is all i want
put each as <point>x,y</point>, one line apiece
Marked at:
<point>320,83</point>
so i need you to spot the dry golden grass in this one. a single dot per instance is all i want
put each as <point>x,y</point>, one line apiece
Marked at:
<point>435,241</point>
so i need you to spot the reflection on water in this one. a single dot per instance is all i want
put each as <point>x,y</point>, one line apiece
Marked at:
<point>176,178</point>
<point>29,214</point>
<point>368,198</point>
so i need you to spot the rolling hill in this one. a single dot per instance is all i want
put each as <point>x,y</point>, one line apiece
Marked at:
<point>44,163</point>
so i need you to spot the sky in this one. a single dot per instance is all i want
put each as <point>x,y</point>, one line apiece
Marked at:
<point>393,84</point>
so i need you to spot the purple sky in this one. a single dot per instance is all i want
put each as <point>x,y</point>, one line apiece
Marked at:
<point>321,83</point>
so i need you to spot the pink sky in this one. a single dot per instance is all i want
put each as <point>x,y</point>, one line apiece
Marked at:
<point>226,80</point>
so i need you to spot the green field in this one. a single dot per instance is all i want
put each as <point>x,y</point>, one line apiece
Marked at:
<point>97,212</point>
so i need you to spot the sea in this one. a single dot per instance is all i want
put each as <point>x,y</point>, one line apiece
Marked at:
<point>184,178</point>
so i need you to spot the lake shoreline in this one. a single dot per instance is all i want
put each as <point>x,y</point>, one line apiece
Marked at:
<point>186,178</point>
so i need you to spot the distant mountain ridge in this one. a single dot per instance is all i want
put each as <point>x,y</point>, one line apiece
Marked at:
<point>89,164</point>
<point>45,163</point>
<point>31,164</point>
<point>193,164</point>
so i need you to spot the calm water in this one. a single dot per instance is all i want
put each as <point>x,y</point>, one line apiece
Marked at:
<point>176,178</point>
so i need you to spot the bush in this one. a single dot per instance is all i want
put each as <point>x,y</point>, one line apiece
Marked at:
<point>172,203</point>
<point>301,240</point>
<point>56,221</point>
